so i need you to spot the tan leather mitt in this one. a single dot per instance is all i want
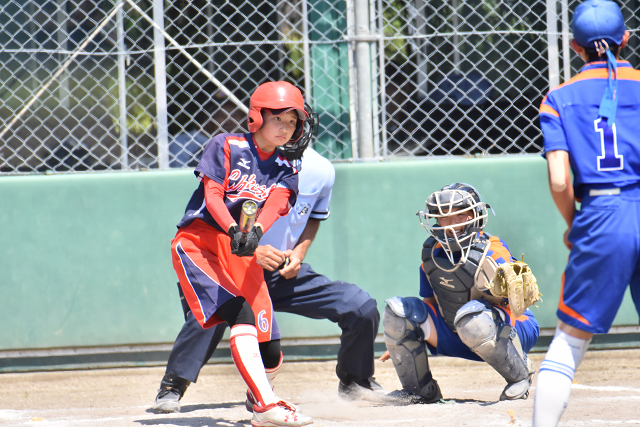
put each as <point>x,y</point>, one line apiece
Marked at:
<point>515,281</point>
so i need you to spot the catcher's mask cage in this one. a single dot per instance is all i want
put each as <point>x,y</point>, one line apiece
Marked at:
<point>293,150</point>
<point>455,199</point>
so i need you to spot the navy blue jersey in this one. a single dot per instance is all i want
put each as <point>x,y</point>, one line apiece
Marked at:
<point>599,154</point>
<point>231,159</point>
<point>498,251</point>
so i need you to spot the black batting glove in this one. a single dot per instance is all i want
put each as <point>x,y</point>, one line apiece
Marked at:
<point>236,235</point>
<point>251,243</point>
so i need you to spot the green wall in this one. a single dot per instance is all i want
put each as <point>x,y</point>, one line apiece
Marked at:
<point>85,259</point>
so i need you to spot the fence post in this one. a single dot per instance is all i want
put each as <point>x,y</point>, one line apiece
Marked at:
<point>566,50</point>
<point>382,82</point>
<point>363,80</point>
<point>122,93</point>
<point>306,53</point>
<point>160,71</point>
<point>552,44</point>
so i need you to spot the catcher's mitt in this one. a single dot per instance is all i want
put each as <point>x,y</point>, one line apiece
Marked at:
<point>515,281</point>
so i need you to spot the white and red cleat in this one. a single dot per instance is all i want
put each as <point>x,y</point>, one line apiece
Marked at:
<point>278,414</point>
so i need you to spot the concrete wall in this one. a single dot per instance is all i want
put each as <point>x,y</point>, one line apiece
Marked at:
<point>85,261</point>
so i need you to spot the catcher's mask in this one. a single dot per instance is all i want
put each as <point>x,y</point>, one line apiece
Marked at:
<point>450,200</point>
<point>279,97</point>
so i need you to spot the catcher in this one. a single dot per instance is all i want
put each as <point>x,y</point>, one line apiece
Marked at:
<point>474,302</point>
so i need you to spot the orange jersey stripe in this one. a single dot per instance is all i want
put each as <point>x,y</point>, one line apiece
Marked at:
<point>624,73</point>
<point>546,109</point>
<point>499,251</point>
<point>431,305</point>
<point>521,318</point>
<point>568,310</point>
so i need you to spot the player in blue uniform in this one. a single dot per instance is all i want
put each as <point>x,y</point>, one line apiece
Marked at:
<point>294,288</point>
<point>590,127</point>
<point>215,261</point>
<point>457,316</point>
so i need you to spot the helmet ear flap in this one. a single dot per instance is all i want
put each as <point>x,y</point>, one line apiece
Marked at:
<point>254,122</point>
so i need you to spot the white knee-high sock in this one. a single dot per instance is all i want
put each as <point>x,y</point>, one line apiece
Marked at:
<point>271,376</point>
<point>553,386</point>
<point>246,355</point>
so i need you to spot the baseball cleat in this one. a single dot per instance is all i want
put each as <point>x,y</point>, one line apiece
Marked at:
<point>405,398</point>
<point>520,389</point>
<point>248,404</point>
<point>514,391</point>
<point>358,389</point>
<point>278,414</point>
<point>172,388</point>
<point>167,401</point>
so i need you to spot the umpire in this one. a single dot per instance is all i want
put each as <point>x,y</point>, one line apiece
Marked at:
<point>294,288</point>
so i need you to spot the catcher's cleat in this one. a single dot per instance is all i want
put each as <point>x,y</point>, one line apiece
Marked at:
<point>278,414</point>
<point>357,389</point>
<point>520,389</point>
<point>172,388</point>
<point>515,391</point>
<point>405,398</point>
<point>167,401</point>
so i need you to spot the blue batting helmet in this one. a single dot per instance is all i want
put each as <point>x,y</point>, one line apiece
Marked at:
<point>595,20</point>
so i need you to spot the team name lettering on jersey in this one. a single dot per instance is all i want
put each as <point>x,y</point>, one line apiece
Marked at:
<point>247,187</point>
<point>232,161</point>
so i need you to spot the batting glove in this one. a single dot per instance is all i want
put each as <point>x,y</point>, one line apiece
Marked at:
<point>236,235</point>
<point>251,244</point>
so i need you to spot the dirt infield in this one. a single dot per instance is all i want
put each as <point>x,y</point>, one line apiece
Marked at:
<point>606,393</point>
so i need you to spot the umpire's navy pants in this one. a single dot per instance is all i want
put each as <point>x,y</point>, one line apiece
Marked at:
<point>308,294</point>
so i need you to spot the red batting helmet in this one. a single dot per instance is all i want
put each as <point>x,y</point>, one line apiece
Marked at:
<point>279,97</point>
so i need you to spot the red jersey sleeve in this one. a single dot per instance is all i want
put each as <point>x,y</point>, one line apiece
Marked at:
<point>277,205</point>
<point>214,199</point>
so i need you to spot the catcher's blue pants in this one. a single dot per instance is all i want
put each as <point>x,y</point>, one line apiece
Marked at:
<point>309,294</point>
<point>450,344</point>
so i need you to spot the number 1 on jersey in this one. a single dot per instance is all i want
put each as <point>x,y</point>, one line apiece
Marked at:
<point>610,160</point>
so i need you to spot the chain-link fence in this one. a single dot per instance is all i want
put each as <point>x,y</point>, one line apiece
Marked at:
<point>113,85</point>
<point>467,77</point>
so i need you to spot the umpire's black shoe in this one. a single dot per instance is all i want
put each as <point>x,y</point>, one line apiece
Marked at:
<point>171,390</point>
<point>359,389</point>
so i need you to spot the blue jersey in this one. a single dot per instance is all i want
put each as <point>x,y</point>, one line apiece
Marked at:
<point>599,154</point>
<point>233,161</point>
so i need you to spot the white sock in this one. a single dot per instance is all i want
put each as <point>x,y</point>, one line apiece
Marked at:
<point>426,328</point>
<point>553,386</point>
<point>271,375</point>
<point>246,355</point>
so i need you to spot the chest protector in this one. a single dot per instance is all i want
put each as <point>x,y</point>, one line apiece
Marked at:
<point>455,287</point>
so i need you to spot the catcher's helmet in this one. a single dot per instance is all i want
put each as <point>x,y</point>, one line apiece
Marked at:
<point>450,200</point>
<point>279,97</point>
<point>596,20</point>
